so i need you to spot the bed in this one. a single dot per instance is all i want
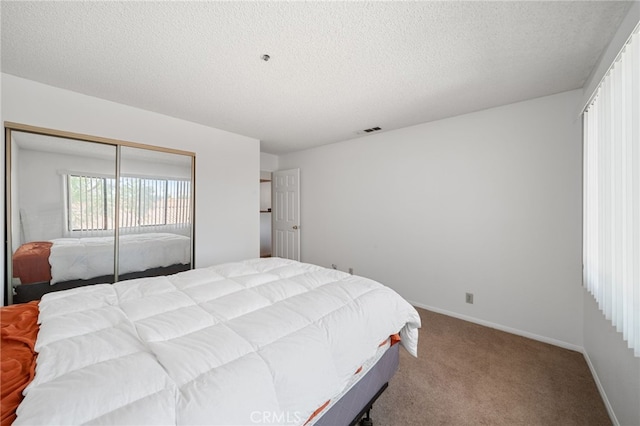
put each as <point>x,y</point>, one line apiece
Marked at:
<point>72,262</point>
<point>263,341</point>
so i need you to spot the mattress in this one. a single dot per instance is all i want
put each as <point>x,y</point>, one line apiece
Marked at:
<point>363,389</point>
<point>221,345</point>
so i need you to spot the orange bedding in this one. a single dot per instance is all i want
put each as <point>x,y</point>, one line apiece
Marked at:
<point>19,326</point>
<point>31,262</point>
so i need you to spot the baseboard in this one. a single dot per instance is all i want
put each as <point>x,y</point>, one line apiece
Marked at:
<point>603,394</point>
<point>537,337</point>
<point>500,327</point>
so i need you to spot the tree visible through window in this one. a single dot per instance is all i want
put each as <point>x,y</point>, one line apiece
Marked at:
<point>143,202</point>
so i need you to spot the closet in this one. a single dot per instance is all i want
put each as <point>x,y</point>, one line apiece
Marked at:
<point>265,214</point>
<point>83,209</point>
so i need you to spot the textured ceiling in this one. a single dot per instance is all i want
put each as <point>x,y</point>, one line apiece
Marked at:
<point>335,68</point>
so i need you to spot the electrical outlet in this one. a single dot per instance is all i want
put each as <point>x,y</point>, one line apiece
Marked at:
<point>469,298</point>
<point>351,271</point>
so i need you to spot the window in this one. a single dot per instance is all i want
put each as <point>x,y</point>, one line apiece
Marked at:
<point>87,203</point>
<point>612,194</point>
<point>144,202</point>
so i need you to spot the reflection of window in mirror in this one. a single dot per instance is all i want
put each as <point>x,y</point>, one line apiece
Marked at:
<point>155,192</point>
<point>90,202</point>
<point>147,204</point>
<point>39,182</point>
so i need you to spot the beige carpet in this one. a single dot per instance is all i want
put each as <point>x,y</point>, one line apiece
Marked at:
<point>467,374</point>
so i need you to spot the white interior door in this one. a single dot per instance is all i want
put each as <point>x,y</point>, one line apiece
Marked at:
<point>286,213</point>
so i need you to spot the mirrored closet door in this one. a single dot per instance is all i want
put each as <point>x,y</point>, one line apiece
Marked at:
<point>84,210</point>
<point>155,207</point>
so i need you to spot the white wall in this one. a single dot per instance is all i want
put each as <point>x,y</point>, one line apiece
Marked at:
<point>268,162</point>
<point>2,182</point>
<point>616,370</point>
<point>40,191</point>
<point>16,232</point>
<point>2,186</point>
<point>487,203</point>
<point>227,164</point>
<point>613,365</point>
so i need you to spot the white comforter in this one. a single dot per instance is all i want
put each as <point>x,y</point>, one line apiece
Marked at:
<point>236,344</point>
<point>84,258</point>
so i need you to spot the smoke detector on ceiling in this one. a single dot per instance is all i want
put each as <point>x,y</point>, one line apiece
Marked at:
<point>366,131</point>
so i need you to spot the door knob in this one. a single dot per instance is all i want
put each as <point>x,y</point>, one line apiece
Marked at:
<point>295,226</point>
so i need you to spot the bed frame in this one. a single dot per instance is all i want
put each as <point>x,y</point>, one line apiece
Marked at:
<point>357,402</point>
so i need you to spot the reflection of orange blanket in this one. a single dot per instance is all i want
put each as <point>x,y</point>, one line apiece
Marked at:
<point>19,328</point>
<point>31,262</point>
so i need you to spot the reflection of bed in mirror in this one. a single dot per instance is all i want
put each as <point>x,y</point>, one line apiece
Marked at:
<point>72,262</point>
<point>84,258</point>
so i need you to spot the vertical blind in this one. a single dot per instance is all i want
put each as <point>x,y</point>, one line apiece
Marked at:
<point>611,234</point>
<point>146,204</point>
<point>90,204</point>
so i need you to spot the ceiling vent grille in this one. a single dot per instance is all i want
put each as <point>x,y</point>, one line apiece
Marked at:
<point>371,130</point>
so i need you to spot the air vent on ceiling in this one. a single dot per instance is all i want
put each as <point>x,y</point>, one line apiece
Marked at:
<point>371,130</point>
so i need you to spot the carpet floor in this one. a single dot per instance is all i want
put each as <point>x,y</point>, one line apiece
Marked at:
<point>468,374</point>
